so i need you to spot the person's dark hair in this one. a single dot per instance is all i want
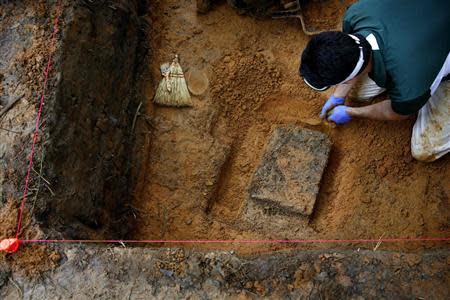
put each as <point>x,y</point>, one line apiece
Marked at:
<point>330,57</point>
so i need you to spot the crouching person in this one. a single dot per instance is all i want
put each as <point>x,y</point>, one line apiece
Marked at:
<point>391,46</point>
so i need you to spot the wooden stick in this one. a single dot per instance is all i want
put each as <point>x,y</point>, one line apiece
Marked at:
<point>9,130</point>
<point>10,105</point>
<point>135,116</point>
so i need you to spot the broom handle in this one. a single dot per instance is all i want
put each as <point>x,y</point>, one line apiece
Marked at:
<point>168,75</point>
<point>168,83</point>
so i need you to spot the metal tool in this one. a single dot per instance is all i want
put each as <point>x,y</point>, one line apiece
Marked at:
<point>294,10</point>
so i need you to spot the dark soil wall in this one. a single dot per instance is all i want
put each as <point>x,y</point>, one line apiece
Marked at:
<point>91,125</point>
<point>143,273</point>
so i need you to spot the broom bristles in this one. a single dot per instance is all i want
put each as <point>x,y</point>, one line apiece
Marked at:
<point>173,90</point>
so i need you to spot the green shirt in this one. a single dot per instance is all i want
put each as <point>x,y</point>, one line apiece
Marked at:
<point>414,40</point>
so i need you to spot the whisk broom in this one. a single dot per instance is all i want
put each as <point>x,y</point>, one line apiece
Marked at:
<point>172,90</point>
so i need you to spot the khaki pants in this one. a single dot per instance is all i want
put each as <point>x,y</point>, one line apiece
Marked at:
<point>431,133</point>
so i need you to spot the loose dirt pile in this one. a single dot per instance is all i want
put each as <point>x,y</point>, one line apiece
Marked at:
<point>242,83</point>
<point>322,15</point>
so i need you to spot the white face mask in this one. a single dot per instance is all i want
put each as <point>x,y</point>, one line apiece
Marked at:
<point>315,88</point>
<point>360,61</point>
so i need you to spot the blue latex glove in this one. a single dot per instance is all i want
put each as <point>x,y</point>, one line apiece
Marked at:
<point>339,115</point>
<point>332,102</point>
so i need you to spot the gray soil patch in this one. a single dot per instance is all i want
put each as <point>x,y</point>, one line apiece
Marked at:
<point>289,175</point>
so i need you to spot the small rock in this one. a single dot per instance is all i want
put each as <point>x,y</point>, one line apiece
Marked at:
<point>194,268</point>
<point>55,257</point>
<point>259,287</point>
<point>317,267</point>
<point>167,273</point>
<point>198,31</point>
<point>344,280</point>
<point>366,200</point>
<point>322,276</point>
<point>413,259</point>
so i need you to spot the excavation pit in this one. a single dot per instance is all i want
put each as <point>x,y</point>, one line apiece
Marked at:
<point>199,163</point>
<point>119,166</point>
<point>110,164</point>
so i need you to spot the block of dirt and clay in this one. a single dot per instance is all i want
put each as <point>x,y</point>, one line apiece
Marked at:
<point>285,185</point>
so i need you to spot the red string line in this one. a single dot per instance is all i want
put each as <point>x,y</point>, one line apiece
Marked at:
<point>298,241</point>
<point>38,119</point>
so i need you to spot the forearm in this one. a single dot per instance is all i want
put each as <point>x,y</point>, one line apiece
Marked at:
<point>378,111</point>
